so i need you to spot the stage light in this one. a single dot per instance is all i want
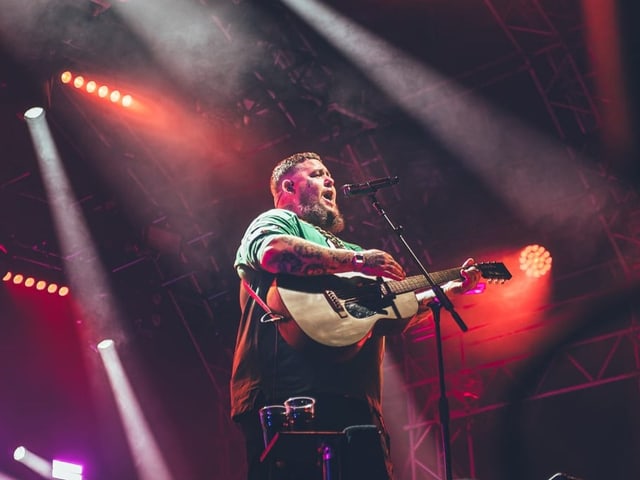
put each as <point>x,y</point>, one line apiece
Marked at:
<point>40,285</point>
<point>147,455</point>
<point>33,461</point>
<point>19,453</point>
<point>66,470</point>
<point>535,261</point>
<point>91,86</point>
<point>33,113</point>
<point>105,344</point>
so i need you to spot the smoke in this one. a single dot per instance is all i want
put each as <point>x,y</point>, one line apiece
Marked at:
<point>200,49</point>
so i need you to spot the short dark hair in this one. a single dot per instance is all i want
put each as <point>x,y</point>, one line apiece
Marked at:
<point>286,166</point>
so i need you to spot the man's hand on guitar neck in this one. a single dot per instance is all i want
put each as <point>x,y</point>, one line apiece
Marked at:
<point>470,277</point>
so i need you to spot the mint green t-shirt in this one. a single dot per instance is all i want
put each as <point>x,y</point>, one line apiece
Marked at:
<point>278,222</point>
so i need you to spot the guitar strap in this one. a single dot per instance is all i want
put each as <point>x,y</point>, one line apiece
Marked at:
<point>270,315</point>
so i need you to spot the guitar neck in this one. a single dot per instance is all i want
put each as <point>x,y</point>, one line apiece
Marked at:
<point>419,282</point>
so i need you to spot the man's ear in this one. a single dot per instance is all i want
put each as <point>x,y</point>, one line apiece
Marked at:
<point>287,186</point>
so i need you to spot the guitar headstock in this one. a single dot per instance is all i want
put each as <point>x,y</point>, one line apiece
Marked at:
<point>494,271</point>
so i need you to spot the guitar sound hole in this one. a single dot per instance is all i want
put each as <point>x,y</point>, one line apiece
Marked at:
<point>366,307</point>
<point>359,311</point>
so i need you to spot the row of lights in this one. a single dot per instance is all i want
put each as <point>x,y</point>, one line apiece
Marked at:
<point>92,87</point>
<point>40,285</point>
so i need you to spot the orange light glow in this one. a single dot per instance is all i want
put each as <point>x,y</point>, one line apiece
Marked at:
<point>52,288</point>
<point>64,291</point>
<point>65,77</point>
<point>102,90</point>
<point>41,285</point>
<point>535,261</point>
<point>504,322</point>
<point>91,86</point>
<point>7,277</point>
<point>18,278</point>
<point>29,282</point>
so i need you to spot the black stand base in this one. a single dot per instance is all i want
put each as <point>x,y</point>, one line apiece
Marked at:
<point>353,454</point>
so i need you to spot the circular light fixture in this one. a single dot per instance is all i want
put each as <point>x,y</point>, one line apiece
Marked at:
<point>33,113</point>
<point>535,260</point>
<point>105,344</point>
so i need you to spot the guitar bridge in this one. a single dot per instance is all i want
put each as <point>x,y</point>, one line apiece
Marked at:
<point>335,303</point>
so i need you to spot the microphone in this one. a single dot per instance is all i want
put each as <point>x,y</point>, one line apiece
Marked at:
<point>372,186</point>
<point>564,476</point>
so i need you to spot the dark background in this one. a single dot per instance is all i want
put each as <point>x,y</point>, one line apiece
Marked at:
<point>511,124</point>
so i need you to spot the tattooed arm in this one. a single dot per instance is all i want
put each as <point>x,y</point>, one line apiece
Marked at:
<point>297,256</point>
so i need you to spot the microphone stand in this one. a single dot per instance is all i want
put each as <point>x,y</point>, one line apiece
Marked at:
<point>440,301</point>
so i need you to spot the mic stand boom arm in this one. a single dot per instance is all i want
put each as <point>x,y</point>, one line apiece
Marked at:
<point>441,297</point>
<point>440,301</point>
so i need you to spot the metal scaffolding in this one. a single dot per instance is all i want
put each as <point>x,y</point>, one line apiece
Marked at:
<point>545,44</point>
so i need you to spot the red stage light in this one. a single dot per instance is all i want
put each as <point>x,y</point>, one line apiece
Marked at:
<point>40,285</point>
<point>535,260</point>
<point>91,86</point>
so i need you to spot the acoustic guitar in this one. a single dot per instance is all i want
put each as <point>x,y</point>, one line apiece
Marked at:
<point>342,310</point>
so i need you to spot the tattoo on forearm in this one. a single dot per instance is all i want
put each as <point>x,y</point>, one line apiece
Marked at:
<point>288,262</point>
<point>306,259</point>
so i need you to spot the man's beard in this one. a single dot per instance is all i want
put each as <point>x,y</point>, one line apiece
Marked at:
<point>321,217</point>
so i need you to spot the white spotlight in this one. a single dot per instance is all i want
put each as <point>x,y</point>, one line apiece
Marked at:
<point>105,344</point>
<point>33,113</point>
<point>19,453</point>
<point>33,461</point>
<point>147,454</point>
<point>66,470</point>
